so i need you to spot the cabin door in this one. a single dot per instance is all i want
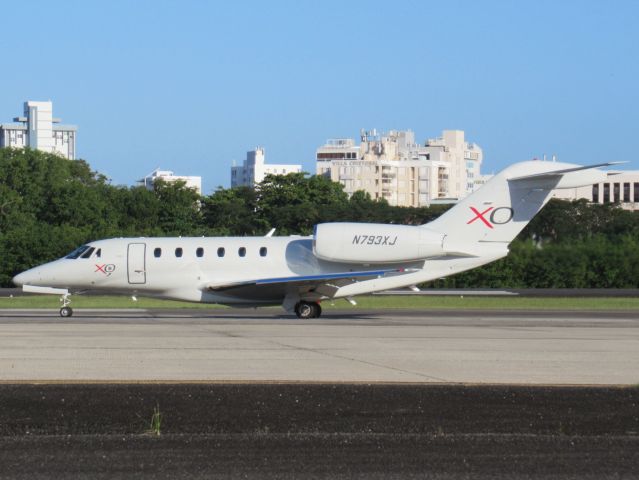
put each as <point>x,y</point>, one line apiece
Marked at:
<point>136,263</point>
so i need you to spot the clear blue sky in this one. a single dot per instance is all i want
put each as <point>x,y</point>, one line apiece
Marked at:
<point>192,85</point>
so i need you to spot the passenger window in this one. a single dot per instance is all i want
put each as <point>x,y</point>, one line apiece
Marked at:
<point>242,252</point>
<point>199,252</point>
<point>178,252</point>
<point>220,252</point>
<point>263,252</point>
<point>157,253</point>
<point>88,253</point>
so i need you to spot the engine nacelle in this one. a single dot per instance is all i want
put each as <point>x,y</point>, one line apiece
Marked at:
<point>375,243</point>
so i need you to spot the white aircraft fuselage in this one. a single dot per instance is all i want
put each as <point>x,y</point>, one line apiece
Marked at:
<point>339,260</point>
<point>182,268</point>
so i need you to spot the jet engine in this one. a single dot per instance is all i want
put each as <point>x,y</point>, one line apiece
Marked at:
<point>375,243</point>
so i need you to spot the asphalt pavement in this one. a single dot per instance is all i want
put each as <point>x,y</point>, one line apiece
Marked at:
<point>287,431</point>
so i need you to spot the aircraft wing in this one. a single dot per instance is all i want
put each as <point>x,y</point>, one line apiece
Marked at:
<point>324,283</point>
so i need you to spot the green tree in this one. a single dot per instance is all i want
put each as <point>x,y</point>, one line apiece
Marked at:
<point>48,205</point>
<point>295,203</point>
<point>179,208</point>
<point>233,212</point>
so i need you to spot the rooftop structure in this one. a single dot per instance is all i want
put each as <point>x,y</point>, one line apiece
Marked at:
<point>254,169</point>
<point>40,130</point>
<point>168,176</point>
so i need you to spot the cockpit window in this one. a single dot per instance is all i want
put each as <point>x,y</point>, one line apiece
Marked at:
<point>77,252</point>
<point>88,253</point>
<point>98,253</point>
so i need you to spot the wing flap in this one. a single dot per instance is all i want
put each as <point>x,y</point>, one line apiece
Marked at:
<point>320,279</point>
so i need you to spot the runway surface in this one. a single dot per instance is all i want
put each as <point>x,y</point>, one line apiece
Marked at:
<point>343,346</point>
<point>356,394</point>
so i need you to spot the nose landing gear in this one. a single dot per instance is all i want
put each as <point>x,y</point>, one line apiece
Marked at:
<point>305,310</point>
<point>66,310</point>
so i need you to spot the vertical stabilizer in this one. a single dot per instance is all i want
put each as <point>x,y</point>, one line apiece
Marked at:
<point>499,210</point>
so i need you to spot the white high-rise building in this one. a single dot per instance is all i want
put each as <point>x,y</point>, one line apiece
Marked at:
<point>254,169</point>
<point>39,129</point>
<point>392,166</point>
<point>168,176</point>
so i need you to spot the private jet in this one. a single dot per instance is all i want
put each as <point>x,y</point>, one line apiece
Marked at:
<point>340,260</point>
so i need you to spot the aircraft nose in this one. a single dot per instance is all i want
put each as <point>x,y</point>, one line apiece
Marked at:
<point>19,279</point>
<point>24,278</point>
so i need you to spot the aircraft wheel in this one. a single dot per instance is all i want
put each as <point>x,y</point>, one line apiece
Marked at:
<point>305,310</point>
<point>66,312</point>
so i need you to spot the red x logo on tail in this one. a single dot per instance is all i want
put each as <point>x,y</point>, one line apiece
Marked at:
<point>480,215</point>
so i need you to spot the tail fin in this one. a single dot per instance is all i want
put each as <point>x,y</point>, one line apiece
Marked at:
<point>499,210</point>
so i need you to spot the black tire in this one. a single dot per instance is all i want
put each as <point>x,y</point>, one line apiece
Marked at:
<point>305,310</point>
<point>317,310</point>
<point>66,311</point>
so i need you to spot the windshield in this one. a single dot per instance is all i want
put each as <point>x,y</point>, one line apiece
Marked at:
<point>77,252</point>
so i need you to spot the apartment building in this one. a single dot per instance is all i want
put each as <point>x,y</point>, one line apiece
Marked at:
<point>394,167</point>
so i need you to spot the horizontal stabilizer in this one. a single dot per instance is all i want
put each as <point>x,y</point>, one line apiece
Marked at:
<point>559,173</point>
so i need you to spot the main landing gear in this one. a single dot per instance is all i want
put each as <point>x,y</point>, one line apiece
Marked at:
<point>66,310</point>
<point>306,310</point>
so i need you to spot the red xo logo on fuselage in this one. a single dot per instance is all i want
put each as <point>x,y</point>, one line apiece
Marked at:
<point>106,268</point>
<point>498,216</point>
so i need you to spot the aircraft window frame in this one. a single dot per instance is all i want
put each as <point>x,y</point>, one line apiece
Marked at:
<point>263,251</point>
<point>77,252</point>
<point>221,251</point>
<point>157,252</point>
<point>241,252</point>
<point>199,252</point>
<point>88,253</point>
<point>179,252</point>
